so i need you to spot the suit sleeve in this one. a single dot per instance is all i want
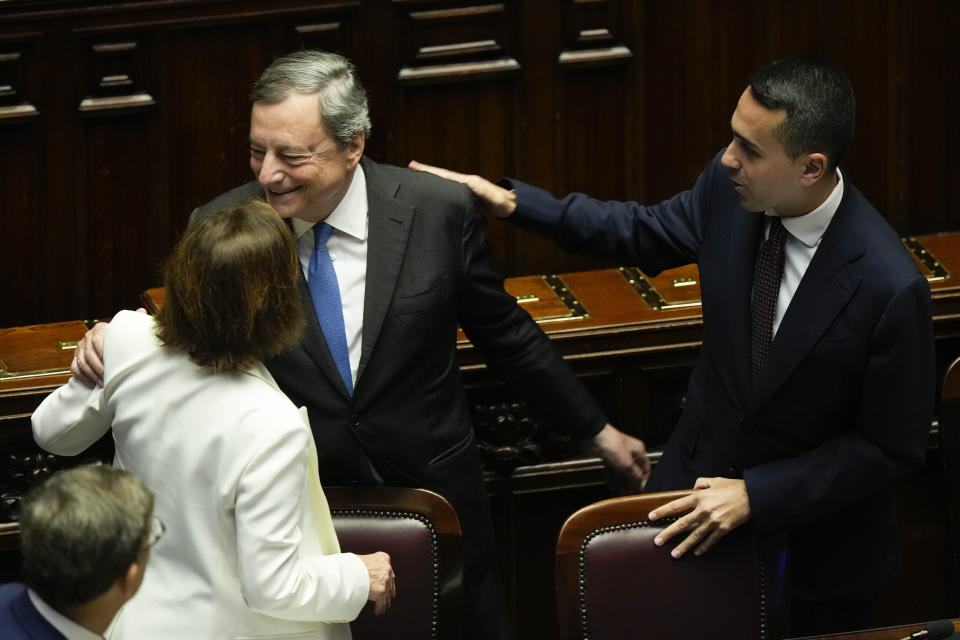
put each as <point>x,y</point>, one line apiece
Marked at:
<point>74,416</point>
<point>513,344</point>
<point>655,237</point>
<point>893,417</point>
<point>275,578</point>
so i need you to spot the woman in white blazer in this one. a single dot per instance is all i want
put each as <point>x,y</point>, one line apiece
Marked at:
<point>249,550</point>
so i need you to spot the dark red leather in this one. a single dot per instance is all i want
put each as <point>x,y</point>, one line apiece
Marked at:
<point>419,530</point>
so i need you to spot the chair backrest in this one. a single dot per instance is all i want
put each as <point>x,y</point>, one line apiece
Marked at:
<point>950,450</point>
<point>421,532</point>
<point>613,582</point>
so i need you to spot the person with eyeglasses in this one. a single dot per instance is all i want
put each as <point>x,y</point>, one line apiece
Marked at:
<point>85,536</point>
<point>250,549</point>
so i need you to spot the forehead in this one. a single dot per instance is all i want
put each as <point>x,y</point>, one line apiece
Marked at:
<point>755,122</point>
<point>295,122</point>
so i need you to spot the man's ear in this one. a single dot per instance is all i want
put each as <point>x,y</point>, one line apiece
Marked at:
<point>129,582</point>
<point>355,149</point>
<point>814,167</point>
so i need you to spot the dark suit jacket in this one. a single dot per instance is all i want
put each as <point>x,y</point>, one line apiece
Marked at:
<point>845,401</point>
<point>428,269</point>
<point>19,619</point>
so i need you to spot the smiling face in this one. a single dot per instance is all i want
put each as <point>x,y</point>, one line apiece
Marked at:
<point>302,171</point>
<point>763,175</point>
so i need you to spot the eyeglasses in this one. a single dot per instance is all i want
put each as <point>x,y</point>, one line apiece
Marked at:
<point>157,529</point>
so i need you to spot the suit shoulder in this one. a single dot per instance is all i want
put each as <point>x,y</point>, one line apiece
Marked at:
<point>248,191</point>
<point>886,258</point>
<point>424,184</point>
<point>11,590</point>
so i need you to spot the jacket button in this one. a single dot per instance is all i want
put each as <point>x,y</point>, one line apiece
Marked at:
<point>355,421</point>
<point>732,473</point>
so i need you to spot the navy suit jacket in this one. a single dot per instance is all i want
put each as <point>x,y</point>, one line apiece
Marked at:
<point>19,619</point>
<point>844,404</point>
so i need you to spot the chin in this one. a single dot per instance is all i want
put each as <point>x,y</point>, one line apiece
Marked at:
<point>284,211</point>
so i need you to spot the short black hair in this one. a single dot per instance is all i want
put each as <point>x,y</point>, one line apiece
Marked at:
<point>818,99</point>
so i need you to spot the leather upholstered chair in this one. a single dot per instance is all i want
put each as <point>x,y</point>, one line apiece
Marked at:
<point>613,582</point>
<point>950,450</point>
<point>420,531</point>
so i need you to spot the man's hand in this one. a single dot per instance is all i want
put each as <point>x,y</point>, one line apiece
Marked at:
<point>383,584</point>
<point>625,456</point>
<point>716,507</point>
<point>494,199</point>
<point>87,363</point>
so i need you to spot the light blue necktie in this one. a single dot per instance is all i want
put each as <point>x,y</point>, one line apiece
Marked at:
<point>325,292</point>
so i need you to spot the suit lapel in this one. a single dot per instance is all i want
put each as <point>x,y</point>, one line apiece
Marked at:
<point>742,255</point>
<point>390,221</point>
<point>826,287</point>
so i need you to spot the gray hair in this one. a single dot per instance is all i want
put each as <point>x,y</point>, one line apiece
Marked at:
<point>81,530</point>
<point>343,100</point>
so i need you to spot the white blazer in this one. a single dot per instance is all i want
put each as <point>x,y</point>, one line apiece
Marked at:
<point>249,550</point>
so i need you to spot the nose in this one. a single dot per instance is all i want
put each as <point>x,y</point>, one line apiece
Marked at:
<point>729,158</point>
<point>269,169</point>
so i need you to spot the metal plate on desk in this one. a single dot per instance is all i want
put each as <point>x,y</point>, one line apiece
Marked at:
<point>672,289</point>
<point>935,256</point>
<point>38,350</point>
<point>546,298</point>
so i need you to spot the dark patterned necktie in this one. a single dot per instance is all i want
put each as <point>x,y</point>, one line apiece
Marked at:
<point>766,289</point>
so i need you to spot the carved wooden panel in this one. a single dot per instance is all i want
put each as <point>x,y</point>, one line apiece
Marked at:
<point>593,34</point>
<point>15,101</point>
<point>456,42</point>
<point>114,82</point>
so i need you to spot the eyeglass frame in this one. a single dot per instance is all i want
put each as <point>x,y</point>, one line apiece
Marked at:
<point>156,531</point>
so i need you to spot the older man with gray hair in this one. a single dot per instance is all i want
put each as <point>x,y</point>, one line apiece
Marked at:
<point>85,535</point>
<point>393,261</point>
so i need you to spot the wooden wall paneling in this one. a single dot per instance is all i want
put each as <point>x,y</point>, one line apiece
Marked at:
<point>455,42</point>
<point>60,264</point>
<point>928,73</point>
<point>114,70</point>
<point>208,73</point>
<point>116,162</point>
<point>949,215</point>
<point>15,103</point>
<point>698,57</point>
<point>863,39</point>
<point>595,98</point>
<point>538,39</point>
<point>19,131</point>
<point>457,94</point>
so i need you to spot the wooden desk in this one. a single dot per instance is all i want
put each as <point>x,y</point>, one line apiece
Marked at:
<point>633,341</point>
<point>887,633</point>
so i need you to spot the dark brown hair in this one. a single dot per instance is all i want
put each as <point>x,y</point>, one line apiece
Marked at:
<point>231,292</point>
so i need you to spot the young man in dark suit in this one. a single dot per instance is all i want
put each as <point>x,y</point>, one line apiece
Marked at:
<point>377,366</point>
<point>85,535</point>
<point>814,388</point>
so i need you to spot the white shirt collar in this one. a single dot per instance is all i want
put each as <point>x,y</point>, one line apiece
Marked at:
<point>809,228</point>
<point>350,215</point>
<point>70,629</point>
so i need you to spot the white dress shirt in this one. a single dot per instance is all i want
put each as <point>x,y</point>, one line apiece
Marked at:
<point>348,252</point>
<point>70,629</point>
<point>249,549</point>
<point>804,234</point>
